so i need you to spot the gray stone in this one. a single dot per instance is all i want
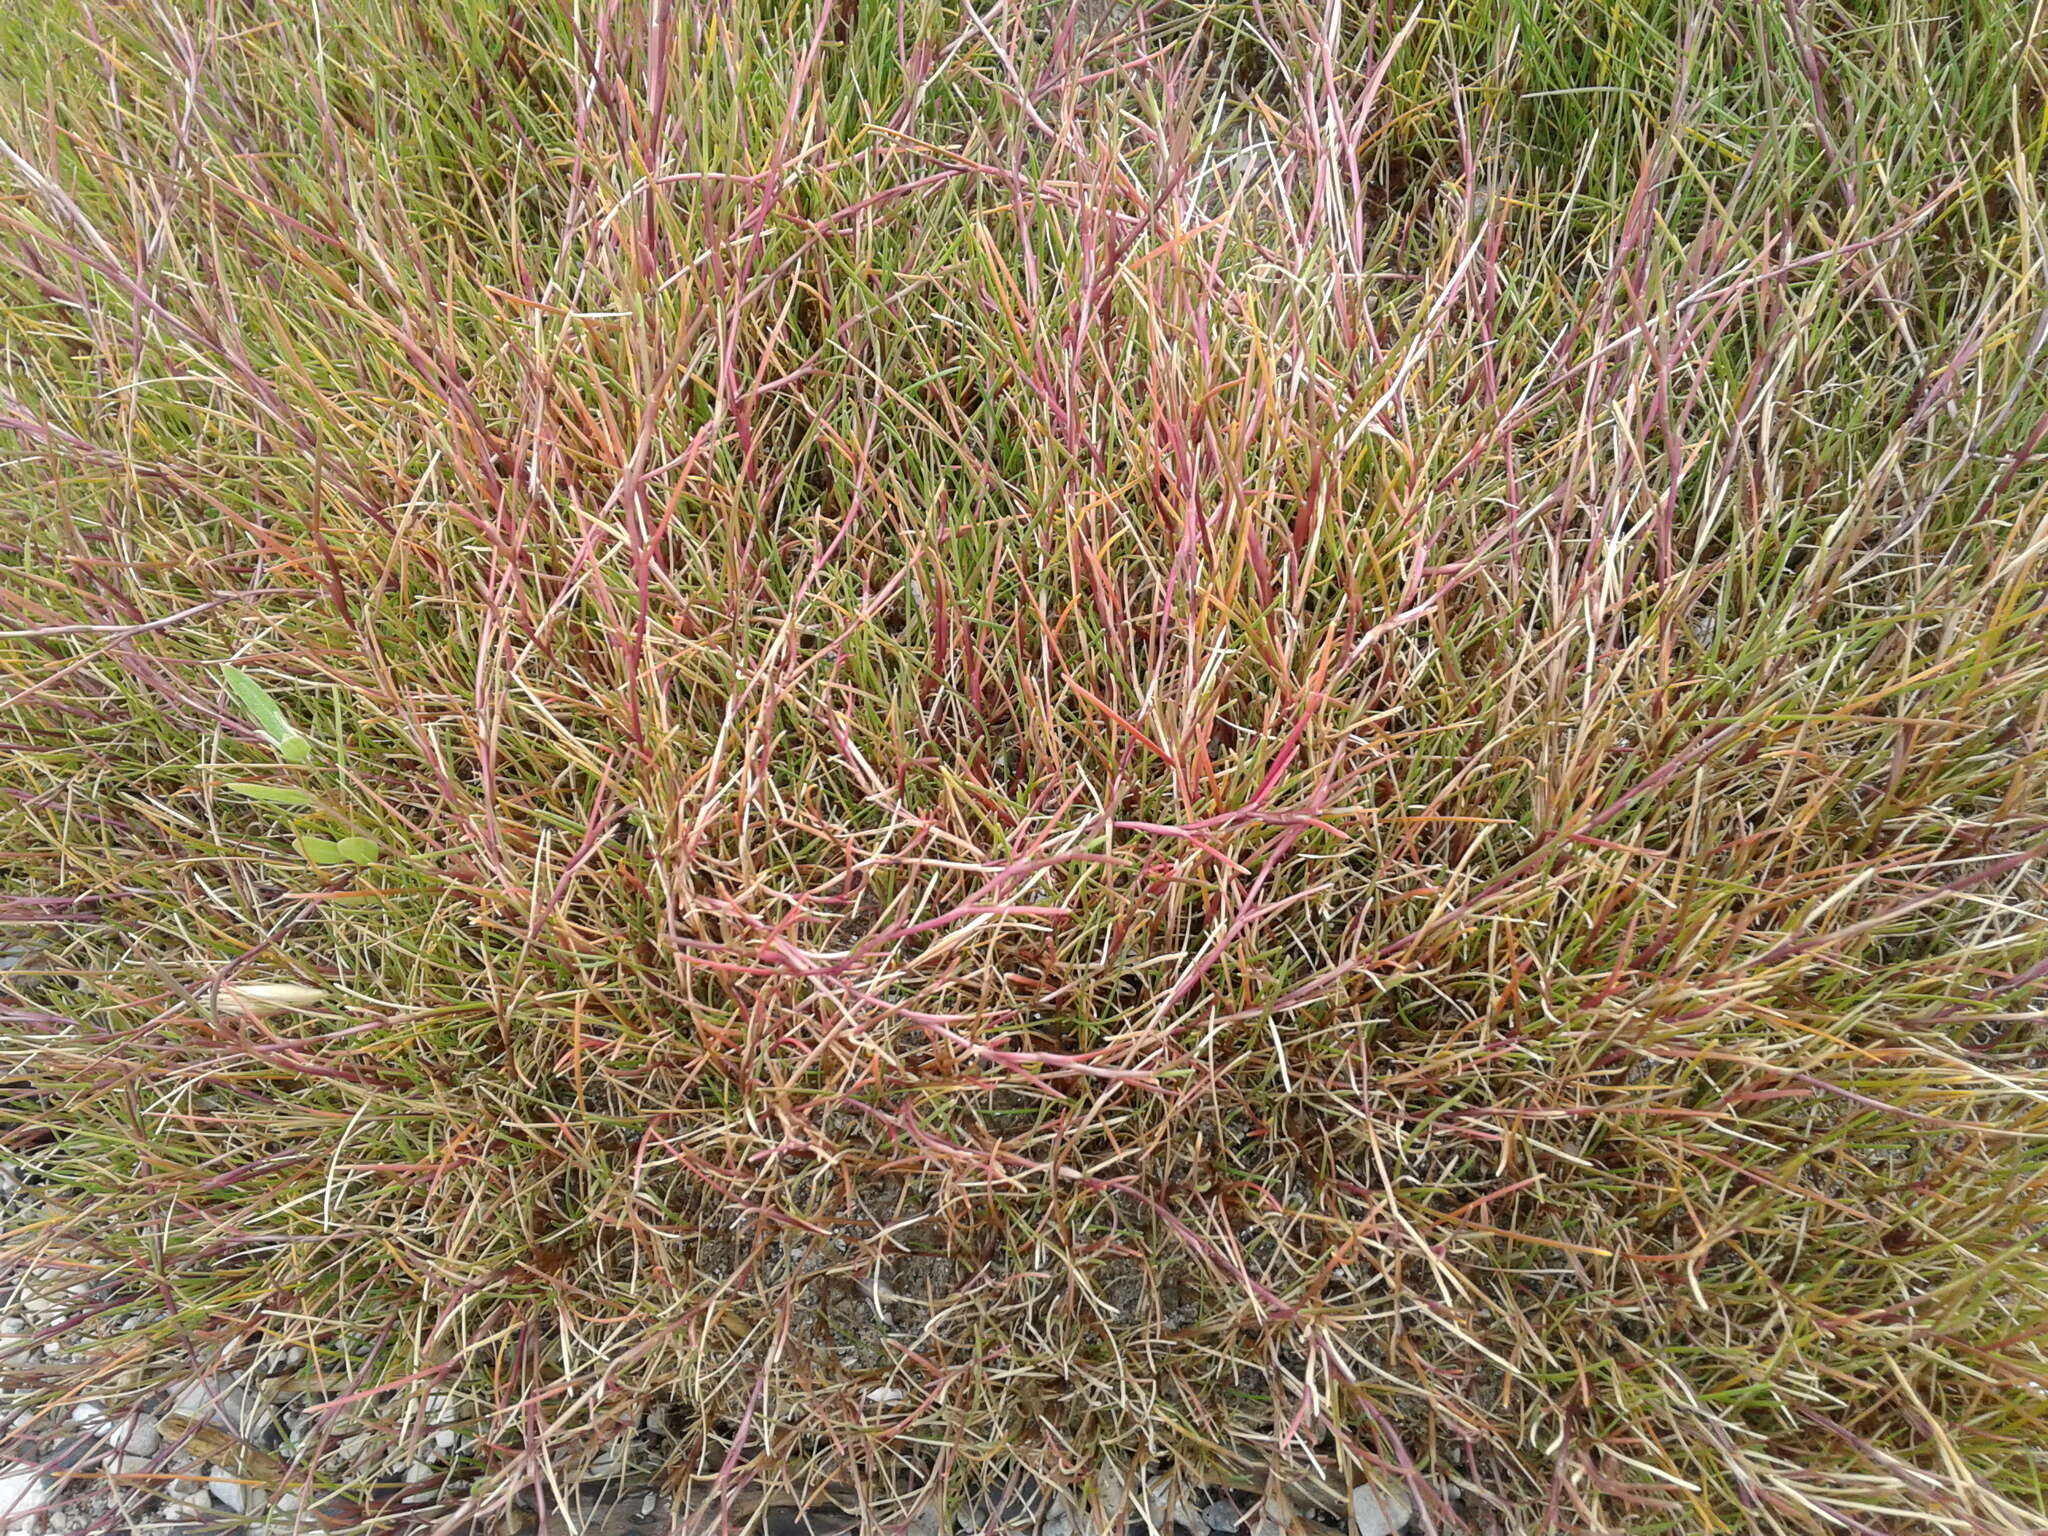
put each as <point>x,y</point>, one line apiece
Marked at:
<point>1379,1511</point>
<point>218,1401</point>
<point>136,1435</point>
<point>229,1491</point>
<point>1275,1515</point>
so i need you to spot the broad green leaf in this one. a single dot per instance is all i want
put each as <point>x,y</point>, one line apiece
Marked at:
<point>267,716</point>
<point>275,794</point>
<point>348,850</point>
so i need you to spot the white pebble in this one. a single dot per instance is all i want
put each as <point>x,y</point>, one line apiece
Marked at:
<point>23,1496</point>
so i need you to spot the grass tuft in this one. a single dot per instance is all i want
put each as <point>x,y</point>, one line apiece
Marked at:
<point>947,744</point>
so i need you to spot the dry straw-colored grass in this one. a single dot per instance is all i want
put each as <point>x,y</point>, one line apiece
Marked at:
<point>1255,735</point>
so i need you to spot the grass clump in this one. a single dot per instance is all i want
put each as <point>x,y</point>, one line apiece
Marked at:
<point>1241,736</point>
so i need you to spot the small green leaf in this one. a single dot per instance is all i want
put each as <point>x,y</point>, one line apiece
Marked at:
<point>349,850</point>
<point>274,794</point>
<point>265,714</point>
